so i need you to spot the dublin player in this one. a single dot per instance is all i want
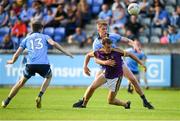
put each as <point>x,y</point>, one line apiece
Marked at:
<point>36,44</point>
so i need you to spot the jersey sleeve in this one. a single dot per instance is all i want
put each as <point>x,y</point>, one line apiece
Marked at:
<point>74,36</point>
<point>115,37</point>
<point>23,43</point>
<point>124,53</point>
<point>143,56</point>
<point>96,45</point>
<point>129,50</point>
<point>47,37</point>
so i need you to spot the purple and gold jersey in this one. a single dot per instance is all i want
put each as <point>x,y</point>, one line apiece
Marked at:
<point>115,71</point>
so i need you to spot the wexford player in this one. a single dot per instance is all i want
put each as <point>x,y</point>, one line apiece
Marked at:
<point>36,44</point>
<point>102,28</point>
<point>133,65</point>
<point>112,75</point>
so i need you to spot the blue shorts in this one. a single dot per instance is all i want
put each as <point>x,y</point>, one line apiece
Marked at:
<point>42,69</point>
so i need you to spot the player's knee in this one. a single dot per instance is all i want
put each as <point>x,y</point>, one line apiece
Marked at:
<point>49,76</point>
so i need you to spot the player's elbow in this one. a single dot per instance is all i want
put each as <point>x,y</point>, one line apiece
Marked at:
<point>89,55</point>
<point>130,55</point>
<point>53,43</point>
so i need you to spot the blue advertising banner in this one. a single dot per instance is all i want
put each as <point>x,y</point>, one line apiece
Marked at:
<point>69,72</point>
<point>159,70</point>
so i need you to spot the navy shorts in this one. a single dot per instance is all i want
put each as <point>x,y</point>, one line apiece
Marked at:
<point>135,72</point>
<point>42,69</point>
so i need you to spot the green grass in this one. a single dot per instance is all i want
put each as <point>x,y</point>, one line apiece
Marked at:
<point>57,105</point>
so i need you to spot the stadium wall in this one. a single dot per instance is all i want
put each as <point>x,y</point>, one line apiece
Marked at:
<point>69,72</point>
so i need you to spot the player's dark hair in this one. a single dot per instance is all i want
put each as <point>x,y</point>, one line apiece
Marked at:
<point>106,40</point>
<point>37,26</point>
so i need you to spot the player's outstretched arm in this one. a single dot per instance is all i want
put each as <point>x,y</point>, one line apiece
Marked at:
<point>59,47</point>
<point>136,59</point>
<point>128,41</point>
<point>109,62</point>
<point>88,56</point>
<point>131,43</point>
<point>15,56</point>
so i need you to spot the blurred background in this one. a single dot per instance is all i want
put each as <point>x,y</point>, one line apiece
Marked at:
<point>72,23</point>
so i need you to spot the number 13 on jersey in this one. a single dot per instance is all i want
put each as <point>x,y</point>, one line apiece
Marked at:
<point>36,44</point>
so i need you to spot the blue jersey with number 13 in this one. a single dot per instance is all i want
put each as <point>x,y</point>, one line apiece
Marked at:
<point>37,47</point>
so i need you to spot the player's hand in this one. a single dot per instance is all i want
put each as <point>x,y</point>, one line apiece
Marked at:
<point>144,68</point>
<point>138,49</point>
<point>71,56</point>
<point>10,62</point>
<point>87,71</point>
<point>110,62</point>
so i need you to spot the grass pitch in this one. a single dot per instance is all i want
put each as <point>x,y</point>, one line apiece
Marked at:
<point>57,105</point>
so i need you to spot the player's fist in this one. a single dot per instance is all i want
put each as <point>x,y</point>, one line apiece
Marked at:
<point>10,62</point>
<point>87,71</point>
<point>71,56</point>
<point>144,68</point>
<point>138,49</point>
<point>110,62</point>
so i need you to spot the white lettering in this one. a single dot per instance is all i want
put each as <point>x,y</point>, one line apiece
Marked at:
<point>8,68</point>
<point>73,72</point>
<point>13,71</point>
<point>153,70</point>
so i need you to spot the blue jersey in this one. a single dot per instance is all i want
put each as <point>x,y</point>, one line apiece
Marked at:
<point>37,47</point>
<point>132,64</point>
<point>97,44</point>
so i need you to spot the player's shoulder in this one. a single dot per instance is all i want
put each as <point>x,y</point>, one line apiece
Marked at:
<point>118,50</point>
<point>115,37</point>
<point>96,42</point>
<point>113,34</point>
<point>99,50</point>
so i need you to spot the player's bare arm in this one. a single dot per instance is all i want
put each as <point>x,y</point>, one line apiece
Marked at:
<point>59,47</point>
<point>90,55</point>
<point>128,41</point>
<point>108,62</point>
<point>130,55</point>
<point>15,56</point>
<point>131,43</point>
<point>86,61</point>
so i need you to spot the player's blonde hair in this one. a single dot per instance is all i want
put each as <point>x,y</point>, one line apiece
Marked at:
<point>101,22</point>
